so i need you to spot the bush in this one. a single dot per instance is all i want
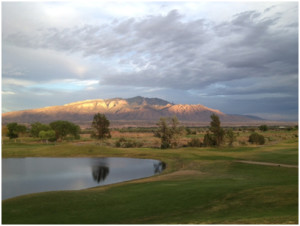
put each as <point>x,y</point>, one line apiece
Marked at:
<point>195,142</point>
<point>231,136</point>
<point>123,143</point>
<point>209,140</point>
<point>256,138</point>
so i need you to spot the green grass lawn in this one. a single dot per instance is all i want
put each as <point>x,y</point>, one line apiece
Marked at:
<point>199,186</point>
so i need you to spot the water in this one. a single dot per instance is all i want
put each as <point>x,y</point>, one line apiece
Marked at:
<point>30,175</point>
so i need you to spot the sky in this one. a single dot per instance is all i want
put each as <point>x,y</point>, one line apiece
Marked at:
<point>237,57</point>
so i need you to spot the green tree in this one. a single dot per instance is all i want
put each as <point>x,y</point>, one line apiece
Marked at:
<point>74,130</point>
<point>169,132</point>
<point>217,130</point>
<point>164,133</point>
<point>37,127</point>
<point>14,130</point>
<point>64,128</point>
<point>263,128</point>
<point>48,135</point>
<point>100,127</point>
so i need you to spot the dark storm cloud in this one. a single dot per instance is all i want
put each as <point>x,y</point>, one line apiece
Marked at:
<point>262,47</point>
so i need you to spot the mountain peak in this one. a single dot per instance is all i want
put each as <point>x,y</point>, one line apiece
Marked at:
<point>139,100</point>
<point>134,109</point>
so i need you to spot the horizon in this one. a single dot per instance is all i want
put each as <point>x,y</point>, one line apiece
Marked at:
<point>154,98</point>
<point>240,59</point>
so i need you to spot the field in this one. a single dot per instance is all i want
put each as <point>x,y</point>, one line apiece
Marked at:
<point>199,185</point>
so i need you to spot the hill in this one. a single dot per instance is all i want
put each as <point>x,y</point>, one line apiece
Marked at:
<point>121,111</point>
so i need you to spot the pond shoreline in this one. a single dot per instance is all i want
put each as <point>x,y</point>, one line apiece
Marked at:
<point>29,175</point>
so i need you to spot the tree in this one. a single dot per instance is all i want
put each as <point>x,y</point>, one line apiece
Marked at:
<point>48,135</point>
<point>216,129</point>
<point>74,130</point>
<point>263,128</point>
<point>176,131</point>
<point>64,128</point>
<point>231,136</point>
<point>37,127</point>
<point>100,127</point>
<point>14,130</point>
<point>164,133</point>
<point>168,131</point>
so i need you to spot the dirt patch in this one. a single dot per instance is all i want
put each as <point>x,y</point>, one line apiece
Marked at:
<point>267,164</point>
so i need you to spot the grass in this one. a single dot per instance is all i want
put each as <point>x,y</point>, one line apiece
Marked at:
<point>199,186</point>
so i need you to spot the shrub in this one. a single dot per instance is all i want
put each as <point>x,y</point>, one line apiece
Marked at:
<point>231,136</point>
<point>123,143</point>
<point>256,138</point>
<point>209,140</point>
<point>195,142</point>
<point>188,131</point>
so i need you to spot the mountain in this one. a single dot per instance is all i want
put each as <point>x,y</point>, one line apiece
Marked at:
<point>136,109</point>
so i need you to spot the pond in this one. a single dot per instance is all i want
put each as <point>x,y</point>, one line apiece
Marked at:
<point>31,175</point>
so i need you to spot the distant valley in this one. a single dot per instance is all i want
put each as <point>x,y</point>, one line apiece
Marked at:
<point>136,111</point>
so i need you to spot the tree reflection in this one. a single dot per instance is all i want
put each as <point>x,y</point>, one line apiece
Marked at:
<point>159,167</point>
<point>100,173</point>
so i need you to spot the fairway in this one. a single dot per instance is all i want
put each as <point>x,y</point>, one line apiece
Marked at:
<point>199,186</point>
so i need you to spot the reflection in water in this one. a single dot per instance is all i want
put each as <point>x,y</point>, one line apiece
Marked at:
<point>159,167</point>
<point>100,173</point>
<point>30,175</point>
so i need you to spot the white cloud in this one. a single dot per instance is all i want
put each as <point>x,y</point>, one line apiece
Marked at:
<point>8,93</point>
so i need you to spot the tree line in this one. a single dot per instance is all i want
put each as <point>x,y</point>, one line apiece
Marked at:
<point>57,130</point>
<point>168,130</point>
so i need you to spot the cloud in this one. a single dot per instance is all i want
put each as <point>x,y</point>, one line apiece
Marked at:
<point>8,93</point>
<point>164,51</point>
<point>246,50</point>
<point>16,82</point>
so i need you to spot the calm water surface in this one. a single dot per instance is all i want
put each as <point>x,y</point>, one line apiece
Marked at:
<point>30,175</point>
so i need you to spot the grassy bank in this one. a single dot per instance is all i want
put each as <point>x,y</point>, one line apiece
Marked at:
<point>200,185</point>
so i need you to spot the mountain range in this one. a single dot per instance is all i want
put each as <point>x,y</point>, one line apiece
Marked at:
<point>136,109</point>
